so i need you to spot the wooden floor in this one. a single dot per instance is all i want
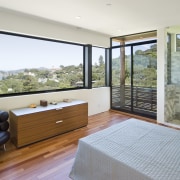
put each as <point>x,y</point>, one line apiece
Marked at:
<point>51,158</point>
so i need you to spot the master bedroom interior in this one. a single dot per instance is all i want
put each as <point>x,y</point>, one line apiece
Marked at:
<point>126,69</point>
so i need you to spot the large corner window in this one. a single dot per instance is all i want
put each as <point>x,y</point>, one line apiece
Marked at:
<point>31,65</point>
<point>98,67</point>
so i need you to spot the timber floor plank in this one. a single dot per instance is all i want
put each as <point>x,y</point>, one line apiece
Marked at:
<point>52,158</point>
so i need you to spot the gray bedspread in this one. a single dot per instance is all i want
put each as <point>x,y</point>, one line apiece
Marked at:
<point>131,150</point>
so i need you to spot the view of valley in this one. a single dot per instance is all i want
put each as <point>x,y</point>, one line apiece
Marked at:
<point>40,79</point>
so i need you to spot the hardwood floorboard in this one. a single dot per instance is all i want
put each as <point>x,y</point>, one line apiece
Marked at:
<point>52,158</point>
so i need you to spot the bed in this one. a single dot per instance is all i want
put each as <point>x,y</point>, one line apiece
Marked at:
<point>131,150</point>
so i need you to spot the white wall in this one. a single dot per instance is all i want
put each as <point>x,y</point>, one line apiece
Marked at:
<point>97,98</point>
<point>161,39</point>
<point>30,25</point>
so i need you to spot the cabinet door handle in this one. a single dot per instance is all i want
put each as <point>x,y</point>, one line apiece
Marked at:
<point>59,121</point>
<point>59,108</point>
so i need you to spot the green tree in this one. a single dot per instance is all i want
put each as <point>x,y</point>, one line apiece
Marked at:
<point>30,83</point>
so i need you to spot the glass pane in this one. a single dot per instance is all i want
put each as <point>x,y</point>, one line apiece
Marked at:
<point>31,65</point>
<point>178,42</point>
<point>121,78</point>
<point>172,82</point>
<point>98,67</point>
<point>168,58</point>
<point>144,78</point>
<point>145,65</point>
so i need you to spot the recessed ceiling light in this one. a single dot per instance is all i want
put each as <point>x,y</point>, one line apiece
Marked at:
<point>108,4</point>
<point>78,17</point>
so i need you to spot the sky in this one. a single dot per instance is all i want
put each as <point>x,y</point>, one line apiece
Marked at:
<point>19,52</point>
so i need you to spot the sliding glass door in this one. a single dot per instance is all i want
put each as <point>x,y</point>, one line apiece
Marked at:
<point>133,78</point>
<point>121,78</point>
<point>144,79</point>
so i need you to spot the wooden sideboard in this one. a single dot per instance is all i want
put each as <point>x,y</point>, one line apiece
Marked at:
<point>29,125</point>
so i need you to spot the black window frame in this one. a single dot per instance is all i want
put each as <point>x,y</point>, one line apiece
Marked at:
<point>87,65</point>
<point>154,40</point>
<point>106,68</point>
<point>50,40</point>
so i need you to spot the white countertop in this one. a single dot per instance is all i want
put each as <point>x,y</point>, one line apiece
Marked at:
<point>59,105</point>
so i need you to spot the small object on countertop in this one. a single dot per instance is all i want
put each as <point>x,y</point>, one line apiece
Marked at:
<point>67,100</point>
<point>32,105</point>
<point>43,103</point>
<point>53,102</point>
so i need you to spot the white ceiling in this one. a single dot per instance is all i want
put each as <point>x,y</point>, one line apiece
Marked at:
<point>111,17</point>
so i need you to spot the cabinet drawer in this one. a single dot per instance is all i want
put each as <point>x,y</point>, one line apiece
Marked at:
<point>31,135</point>
<point>50,117</point>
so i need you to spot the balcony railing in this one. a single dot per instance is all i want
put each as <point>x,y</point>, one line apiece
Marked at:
<point>139,99</point>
